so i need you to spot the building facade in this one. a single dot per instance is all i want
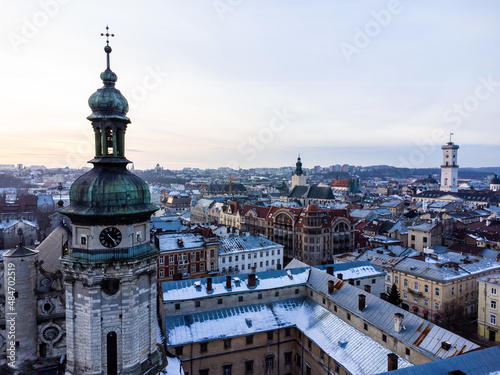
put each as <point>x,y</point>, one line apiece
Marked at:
<point>488,318</point>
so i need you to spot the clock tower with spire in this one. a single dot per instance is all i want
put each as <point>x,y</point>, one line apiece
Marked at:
<point>109,263</point>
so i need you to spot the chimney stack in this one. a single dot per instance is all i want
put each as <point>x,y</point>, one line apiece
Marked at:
<point>351,281</point>
<point>329,270</point>
<point>398,322</point>
<point>368,288</point>
<point>340,276</point>
<point>330,286</point>
<point>361,302</point>
<point>228,282</point>
<point>392,362</point>
<point>251,280</point>
<point>209,284</point>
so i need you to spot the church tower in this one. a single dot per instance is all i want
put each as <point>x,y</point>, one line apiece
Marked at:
<point>449,168</point>
<point>109,263</point>
<point>298,177</point>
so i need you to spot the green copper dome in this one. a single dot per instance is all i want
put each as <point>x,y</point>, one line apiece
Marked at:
<point>108,102</point>
<point>109,193</point>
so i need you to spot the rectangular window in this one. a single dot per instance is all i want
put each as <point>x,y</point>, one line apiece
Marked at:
<point>277,294</point>
<point>197,303</point>
<point>249,339</point>
<point>230,259</point>
<point>227,343</point>
<point>171,272</point>
<point>219,301</point>
<point>348,316</point>
<point>267,263</point>
<point>396,279</point>
<point>288,358</point>
<point>177,306</point>
<point>425,239</point>
<point>242,267</point>
<point>287,332</point>
<point>261,254</point>
<point>309,343</point>
<point>249,367</point>
<point>415,286</point>
<point>161,260</point>
<point>436,306</point>
<point>227,369</point>
<point>259,296</point>
<point>178,350</point>
<point>405,295</point>
<point>452,290</point>
<point>365,326</point>
<point>436,292</point>
<point>202,267</point>
<point>236,258</point>
<point>415,299</point>
<point>308,369</point>
<point>203,347</point>
<point>261,264</point>
<point>373,281</point>
<point>384,338</point>
<point>426,288</point>
<point>270,335</point>
<point>212,254</point>
<point>405,282</point>
<point>161,273</point>
<point>408,352</point>
<point>494,291</point>
<point>204,371</point>
<point>426,302</point>
<point>493,318</point>
<point>242,256</point>
<point>223,259</point>
<point>493,304</point>
<point>193,268</point>
<point>298,360</point>
<point>269,362</point>
<point>388,278</point>
<point>240,298</point>
<point>83,241</point>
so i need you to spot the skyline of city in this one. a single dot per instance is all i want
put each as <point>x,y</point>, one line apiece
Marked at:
<point>207,88</point>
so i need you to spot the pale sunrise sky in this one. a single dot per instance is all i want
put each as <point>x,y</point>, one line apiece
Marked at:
<point>251,83</point>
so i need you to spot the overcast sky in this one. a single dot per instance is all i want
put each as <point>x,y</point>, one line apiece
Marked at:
<point>252,83</point>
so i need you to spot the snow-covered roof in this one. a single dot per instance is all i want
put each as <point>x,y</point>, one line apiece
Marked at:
<point>180,241</point>
<point>240,244</point>
<point>418,333</point>
<point>186,289</point>
<point>351,349</point>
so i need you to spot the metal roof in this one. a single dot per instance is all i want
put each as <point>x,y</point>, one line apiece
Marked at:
<point>480,362</point>
<point>353,350</point>
<point>418,333</point>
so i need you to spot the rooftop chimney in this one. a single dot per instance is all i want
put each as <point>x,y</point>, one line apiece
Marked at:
<point>330,286</point>
<point>398,322</point>
<point>361,302</point>
<point>251,280</point>
<point>340,276</point>
<point>351,281</point>
<point>368,288</point>
<point>228,282</point>
<point>329,270</point>
<point>392,362</point>
<point>209,284</point>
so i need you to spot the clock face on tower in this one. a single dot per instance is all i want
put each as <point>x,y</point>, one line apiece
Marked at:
<point>110,237</point>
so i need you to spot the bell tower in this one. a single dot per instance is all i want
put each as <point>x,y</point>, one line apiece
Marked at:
<point>109,262</point>
<point>449,167</point>
<point>298,177</point>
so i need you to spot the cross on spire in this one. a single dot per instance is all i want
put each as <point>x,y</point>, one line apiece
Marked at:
<point>107,35</point>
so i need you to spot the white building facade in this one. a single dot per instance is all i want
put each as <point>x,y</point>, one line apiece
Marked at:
<point>245,254</point>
